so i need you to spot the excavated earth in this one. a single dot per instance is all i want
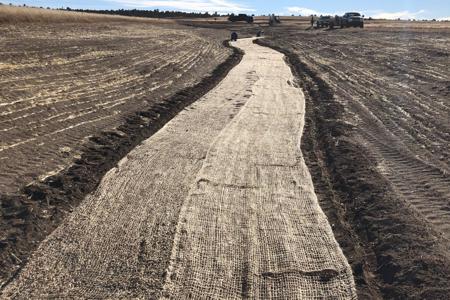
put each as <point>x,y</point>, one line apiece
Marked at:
<point>61,84</point>
<point>74,99</point>
<point>217,204</point>
<point>377,142</point>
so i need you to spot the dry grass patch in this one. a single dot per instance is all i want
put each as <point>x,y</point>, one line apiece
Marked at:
<point>14,14</point>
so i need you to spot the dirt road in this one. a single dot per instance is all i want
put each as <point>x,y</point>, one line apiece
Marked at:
<point>219,203</point>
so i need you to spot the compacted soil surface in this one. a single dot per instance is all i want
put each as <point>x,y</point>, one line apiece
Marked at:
<point>75,98</point>
<point>377,141</point>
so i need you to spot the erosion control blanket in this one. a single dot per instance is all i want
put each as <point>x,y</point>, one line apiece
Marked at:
<point>217,205</point>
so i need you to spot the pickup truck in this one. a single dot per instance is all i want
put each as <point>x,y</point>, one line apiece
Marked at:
<point>352,19</point>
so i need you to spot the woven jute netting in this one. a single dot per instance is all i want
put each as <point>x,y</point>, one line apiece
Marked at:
<point>252,226</point>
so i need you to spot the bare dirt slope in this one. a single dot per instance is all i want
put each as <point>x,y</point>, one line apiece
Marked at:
<point>62,83</point>
<point>74,99</point>
<point>379,141</point>
<point>219,203</point>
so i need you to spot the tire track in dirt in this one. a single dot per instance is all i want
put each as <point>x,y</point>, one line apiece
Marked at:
<point>241,143</point>
<point>427,196</point>
<point>378,143</point>
<point>403,122</point>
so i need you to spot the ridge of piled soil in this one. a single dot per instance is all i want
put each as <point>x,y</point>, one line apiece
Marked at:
<point>28,217</point>
<point>393,254</point>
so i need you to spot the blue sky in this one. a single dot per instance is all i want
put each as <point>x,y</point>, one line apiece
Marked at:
<point>405,9</point>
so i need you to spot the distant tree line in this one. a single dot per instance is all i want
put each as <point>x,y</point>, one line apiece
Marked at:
<point>156,13</point>
<point>148,13</point>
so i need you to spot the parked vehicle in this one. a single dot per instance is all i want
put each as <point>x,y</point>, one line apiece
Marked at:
<point>352,19</point>
<point>335,22</point>
<point>240,17</point>
<point>347,20</point>
<point>324,21</point>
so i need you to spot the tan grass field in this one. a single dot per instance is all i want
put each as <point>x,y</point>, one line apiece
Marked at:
<point>14,14</point>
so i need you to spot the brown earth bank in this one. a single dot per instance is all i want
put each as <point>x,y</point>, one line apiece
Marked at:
<point>75,100</point>
<point>377,144</point>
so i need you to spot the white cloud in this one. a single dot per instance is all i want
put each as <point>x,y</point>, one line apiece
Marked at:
<point>221,6</point>
<point>374,14</point>
<point>398,15</point>
<point>308,12</point>
<point>444,19</point>
<point>302,11</point>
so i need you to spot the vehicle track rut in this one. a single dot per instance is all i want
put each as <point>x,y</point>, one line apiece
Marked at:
<point>380,137</point>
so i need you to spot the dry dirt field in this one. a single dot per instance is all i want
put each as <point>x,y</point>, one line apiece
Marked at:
<point>74,99</point>
<point>68,92</point>
<point>61,84</point>
<point>218,204</point>
<point>378,144</point>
